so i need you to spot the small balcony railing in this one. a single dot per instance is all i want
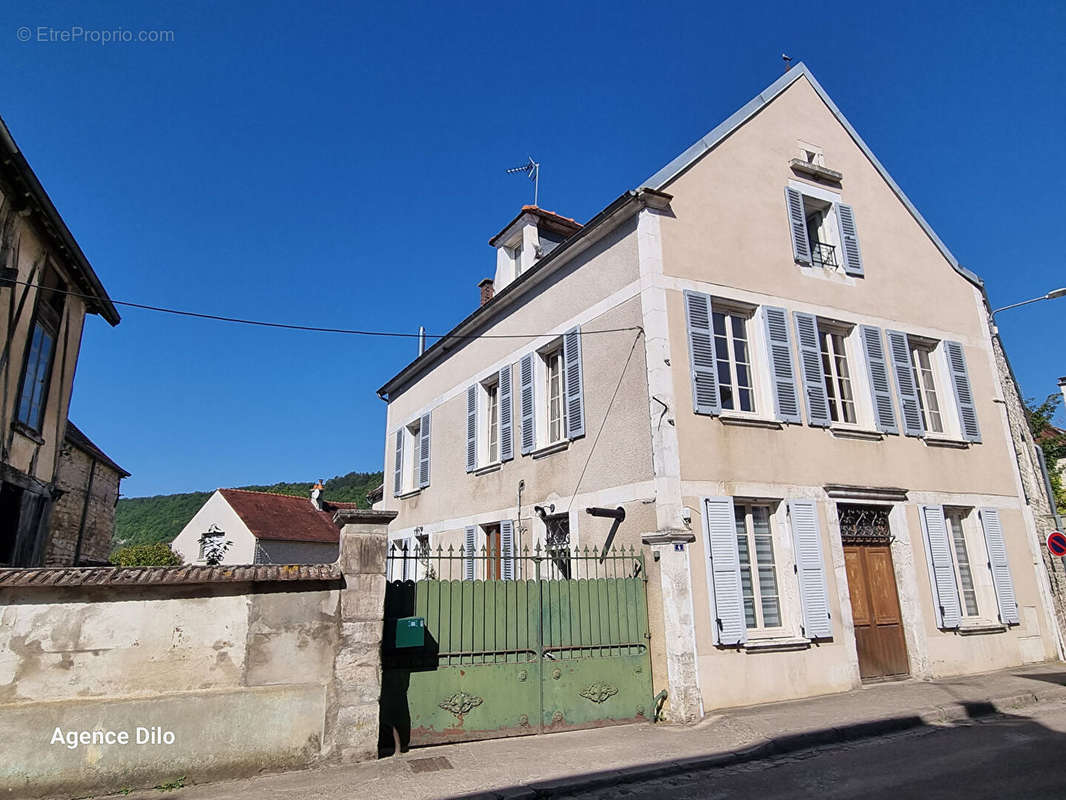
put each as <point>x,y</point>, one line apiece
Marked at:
<point>823,255</point>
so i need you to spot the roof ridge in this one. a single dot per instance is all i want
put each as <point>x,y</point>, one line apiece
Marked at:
<point>256,491</point>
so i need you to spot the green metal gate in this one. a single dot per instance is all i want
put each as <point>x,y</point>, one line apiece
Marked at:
<point>563,646</point>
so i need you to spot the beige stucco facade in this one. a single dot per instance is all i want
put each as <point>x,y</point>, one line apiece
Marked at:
<point>718,225</point>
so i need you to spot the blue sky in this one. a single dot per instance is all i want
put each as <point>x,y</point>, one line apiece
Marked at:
<point>343,165</point>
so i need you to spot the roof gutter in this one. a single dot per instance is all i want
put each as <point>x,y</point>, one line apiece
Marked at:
<point>621,208</point>
<point>55,227</point>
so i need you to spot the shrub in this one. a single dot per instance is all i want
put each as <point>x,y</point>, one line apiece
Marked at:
<point>146,555</point>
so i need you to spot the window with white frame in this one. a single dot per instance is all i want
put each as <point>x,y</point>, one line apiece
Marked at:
<point>922,360</point>
<point>838,384</point>
<point>963,572</point>
<point>821,232</point>
<point>732,350</point>
<point>409,455</point>
<point>490,423</point>
<point>555,427</point>
<point>758,569</point>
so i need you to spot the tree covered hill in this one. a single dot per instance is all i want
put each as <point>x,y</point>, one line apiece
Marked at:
<point>147,520</point>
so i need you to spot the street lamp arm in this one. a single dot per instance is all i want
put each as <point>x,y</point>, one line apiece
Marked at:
<point>1052,295</point>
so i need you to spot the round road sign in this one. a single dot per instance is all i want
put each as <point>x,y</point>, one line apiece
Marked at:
<point>1056,543</point>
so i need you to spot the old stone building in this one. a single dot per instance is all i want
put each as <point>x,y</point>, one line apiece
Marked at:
<point>47,288</point>
<point>87,489</point>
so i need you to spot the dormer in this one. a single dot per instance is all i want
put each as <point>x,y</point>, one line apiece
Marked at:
<point>528,237</point>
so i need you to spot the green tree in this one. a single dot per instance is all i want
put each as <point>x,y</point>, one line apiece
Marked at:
<point>146,555</point>
<point>1051,440</point>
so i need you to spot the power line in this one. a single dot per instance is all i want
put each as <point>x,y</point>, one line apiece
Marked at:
<point>606,414</point>
<point>311,328</point>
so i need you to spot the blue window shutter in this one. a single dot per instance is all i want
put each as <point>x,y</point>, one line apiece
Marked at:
<point>877,372</point>
<point>469,550</point>
<point>471,428</point>
<point>797,221</point>
<point>575,394</point>
<point>506,429</point>
<point>938,548</point>
<point>960,379</point>
<point>997,562</point>
<point>811,367</point>
<point>810,568</point>
<point>526,405</point>
<point>507,550</point>
<point>906,389</point>
<point>705,398</point>
<point>723,571</point>
<point>423,452</point>
<point>397,467</point>
<point>783,376</point>
<point>849,240</point>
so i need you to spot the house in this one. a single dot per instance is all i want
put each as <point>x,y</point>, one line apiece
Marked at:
<point>263,528</point>
<point>47,287</point>
<point>768,360</point>
<point>83,517</point>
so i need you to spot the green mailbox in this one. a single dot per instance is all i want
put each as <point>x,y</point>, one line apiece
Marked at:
<point>410,632</point>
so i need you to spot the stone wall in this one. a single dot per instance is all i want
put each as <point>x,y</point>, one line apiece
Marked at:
<point>73,480</point>
<point>160,673</point>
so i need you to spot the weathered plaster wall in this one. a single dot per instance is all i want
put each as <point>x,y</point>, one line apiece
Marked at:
<point>274,670</point>
<point>277,552</point>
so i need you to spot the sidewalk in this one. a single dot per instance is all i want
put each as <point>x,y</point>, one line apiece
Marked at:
<point>537,766</point>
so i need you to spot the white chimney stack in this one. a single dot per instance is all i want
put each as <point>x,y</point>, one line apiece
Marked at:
<point>316,495</point>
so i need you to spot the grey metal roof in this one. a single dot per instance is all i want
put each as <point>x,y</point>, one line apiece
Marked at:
<point>164,576</point>
<point>661,179</point>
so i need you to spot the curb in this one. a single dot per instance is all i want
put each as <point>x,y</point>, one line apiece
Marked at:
<point>776,746</point>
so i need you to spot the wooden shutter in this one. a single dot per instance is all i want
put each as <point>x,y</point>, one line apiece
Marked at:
<point>811,367</point>
<point>960,379</point>
<point>849,240</point>
<point>526,405</point>
<point>469,550</point>
<point>906,389</point>
<point>783,376</point>
<point>397,467</point>
<point>723,571</point>
<point>997,562</point>
<point>573,380</point>
<point>810,568</point>
<point>938,548</point>
<point>797,220</point>
<point>705,398</point>
<point>423,452</point>
<point>471,428</point>
<point>506,429</point>
<point>877,371</point>
<point>507,550</point>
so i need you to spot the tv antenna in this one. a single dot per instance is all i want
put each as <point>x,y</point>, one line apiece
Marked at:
<point>532,171</point>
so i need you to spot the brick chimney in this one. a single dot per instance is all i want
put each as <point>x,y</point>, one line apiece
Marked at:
<point>488,289</point>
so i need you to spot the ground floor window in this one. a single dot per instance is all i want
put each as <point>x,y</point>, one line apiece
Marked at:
<point>557,543</point>
<point>758,571</point>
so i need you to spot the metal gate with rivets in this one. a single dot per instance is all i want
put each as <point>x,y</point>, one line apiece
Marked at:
<point>563,646</point>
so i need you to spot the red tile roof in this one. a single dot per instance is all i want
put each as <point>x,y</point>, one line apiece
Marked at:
<point>281,517</point>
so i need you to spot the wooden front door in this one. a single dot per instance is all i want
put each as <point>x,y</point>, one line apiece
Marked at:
<point>875,609</point>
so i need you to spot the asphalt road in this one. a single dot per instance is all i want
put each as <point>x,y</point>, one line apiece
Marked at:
<point>1020,756</point>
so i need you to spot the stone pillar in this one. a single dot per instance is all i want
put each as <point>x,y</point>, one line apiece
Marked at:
<point>352,716</point>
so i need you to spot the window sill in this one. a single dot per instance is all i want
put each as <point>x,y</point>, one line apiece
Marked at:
<point>485,470</point>
<point>745,421</point>
<point>408,493</point>
<point>548,449</point>
<point>844,432</point>
<point>935,441</point>
<point>816,171</point>
<point>980,628</point>
<point>25,430</point>
<point>777,645</point>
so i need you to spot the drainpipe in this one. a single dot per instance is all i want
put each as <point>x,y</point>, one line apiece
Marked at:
<point>84,512</point>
